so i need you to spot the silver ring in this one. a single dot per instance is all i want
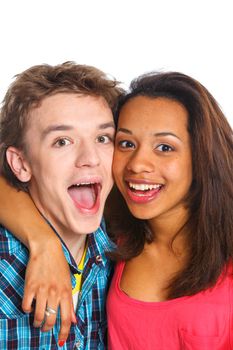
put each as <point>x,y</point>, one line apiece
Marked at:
<point>49,311</point>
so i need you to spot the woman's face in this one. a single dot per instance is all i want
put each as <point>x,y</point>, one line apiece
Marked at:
<point>152,162</point>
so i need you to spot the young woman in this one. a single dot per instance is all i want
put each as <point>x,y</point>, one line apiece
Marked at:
<point>173,165</point>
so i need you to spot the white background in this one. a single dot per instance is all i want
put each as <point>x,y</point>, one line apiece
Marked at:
<point>123,38</point>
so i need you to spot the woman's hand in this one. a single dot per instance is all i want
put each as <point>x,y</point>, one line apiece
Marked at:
<point>48,283</point>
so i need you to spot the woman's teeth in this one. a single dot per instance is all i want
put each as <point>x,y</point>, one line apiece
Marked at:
<point>143,187</point>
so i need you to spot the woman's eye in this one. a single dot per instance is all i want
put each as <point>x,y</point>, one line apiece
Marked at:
<point>104,139</point>
<point>62,142</point>
<point>164,148</point>
<point>126,144</point>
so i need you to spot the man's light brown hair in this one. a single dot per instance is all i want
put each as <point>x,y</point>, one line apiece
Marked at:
<point>38,82</point>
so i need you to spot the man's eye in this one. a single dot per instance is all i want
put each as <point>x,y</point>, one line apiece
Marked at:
<point>164,148</point>
<point>126,144</point>
<point>104,139</point>
<point>62,142</point>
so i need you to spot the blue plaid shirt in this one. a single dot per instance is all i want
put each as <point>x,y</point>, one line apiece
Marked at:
<point>16,327</point>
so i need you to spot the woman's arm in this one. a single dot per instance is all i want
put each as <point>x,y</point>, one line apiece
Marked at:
<point>19,214</point>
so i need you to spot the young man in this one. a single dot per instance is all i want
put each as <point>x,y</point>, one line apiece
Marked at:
<point>56,136</point>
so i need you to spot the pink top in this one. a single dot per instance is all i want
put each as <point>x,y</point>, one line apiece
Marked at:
<point>203,321</point>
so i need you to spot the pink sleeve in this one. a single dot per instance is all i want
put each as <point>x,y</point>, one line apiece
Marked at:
<point>231,313</point>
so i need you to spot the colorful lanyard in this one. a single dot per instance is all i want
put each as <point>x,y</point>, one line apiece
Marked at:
<point>78,276</point>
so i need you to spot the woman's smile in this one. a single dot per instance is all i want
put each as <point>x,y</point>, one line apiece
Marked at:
<point>152,161</point>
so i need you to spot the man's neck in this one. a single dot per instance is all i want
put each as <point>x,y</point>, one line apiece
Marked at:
<point>76,245</point>
<point>75,242</point>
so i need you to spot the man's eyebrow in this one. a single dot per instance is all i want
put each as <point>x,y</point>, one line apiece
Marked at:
<point>65,127</point>
<point>157,134</point>
<point>107,125</point>
<point>58,127</point>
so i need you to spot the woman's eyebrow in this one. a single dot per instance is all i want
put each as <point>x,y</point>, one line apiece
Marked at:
<point>166,133</point>
<point>125,131</point>
<point>157,134</point>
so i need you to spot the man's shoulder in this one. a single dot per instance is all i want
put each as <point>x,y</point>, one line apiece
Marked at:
<point>13,261</point>
<point>9,243</point>
<point>99,242</point>
<point>101,237</point>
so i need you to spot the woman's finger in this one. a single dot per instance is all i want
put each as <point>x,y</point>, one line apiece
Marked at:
<point>67,316</point>
<point>50,315</point>
<point>40,307</point>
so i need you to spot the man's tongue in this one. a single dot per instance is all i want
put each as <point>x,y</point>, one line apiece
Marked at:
<point>84,196</point>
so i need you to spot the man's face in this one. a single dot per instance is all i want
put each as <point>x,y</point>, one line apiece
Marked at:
<point>69,149</point>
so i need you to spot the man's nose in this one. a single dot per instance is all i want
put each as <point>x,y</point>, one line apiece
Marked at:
<point>87,155</point>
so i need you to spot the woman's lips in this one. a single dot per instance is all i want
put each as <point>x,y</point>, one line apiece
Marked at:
<point>145,192</point>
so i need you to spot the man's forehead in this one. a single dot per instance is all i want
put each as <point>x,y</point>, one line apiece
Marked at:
<point>65,110</point>
<point>69,95</point>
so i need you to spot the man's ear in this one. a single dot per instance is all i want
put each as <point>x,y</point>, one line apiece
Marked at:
<point>18,164</point>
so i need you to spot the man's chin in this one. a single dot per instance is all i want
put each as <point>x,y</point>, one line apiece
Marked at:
<point>88,224</point>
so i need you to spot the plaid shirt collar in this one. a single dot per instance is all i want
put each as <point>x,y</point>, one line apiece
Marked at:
<point>98,243</point>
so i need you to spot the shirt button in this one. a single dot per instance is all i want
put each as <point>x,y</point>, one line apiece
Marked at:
<point>98,258</point>
<point>77,344</point>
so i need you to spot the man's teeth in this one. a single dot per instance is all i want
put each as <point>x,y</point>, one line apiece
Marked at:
<point>85,184</point>
<point>143,187</point>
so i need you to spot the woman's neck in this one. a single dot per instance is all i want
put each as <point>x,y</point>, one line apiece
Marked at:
<point>170,229</point>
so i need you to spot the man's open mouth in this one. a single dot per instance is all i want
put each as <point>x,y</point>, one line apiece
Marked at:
<point>85,194</point>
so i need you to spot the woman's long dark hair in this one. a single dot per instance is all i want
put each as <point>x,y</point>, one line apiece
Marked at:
<point>210,200</point>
